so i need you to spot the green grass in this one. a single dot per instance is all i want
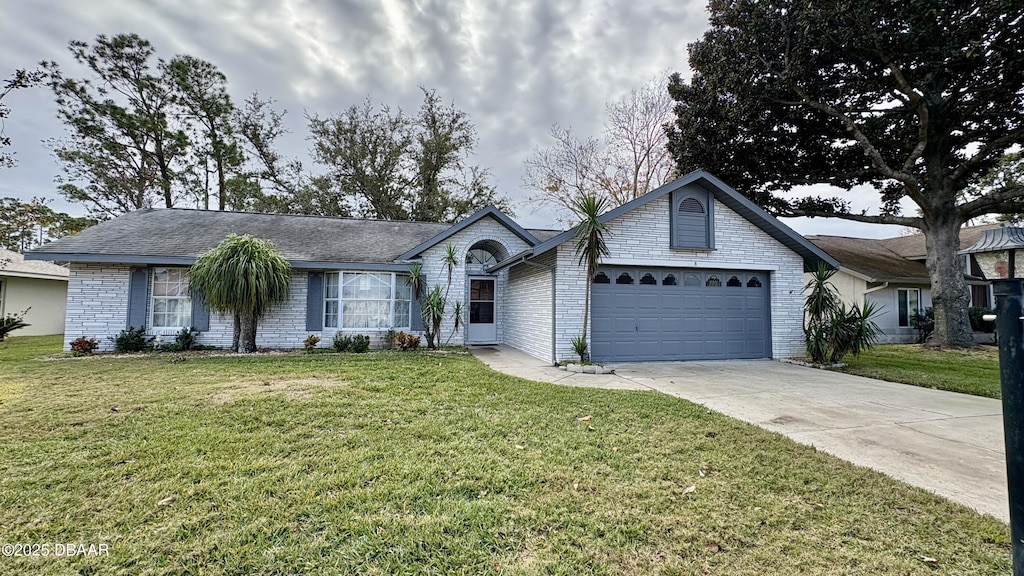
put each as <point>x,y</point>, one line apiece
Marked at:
<point>414,463</point>
<point>969,371</point>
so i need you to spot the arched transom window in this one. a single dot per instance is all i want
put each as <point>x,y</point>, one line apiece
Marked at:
<point>486,253</point>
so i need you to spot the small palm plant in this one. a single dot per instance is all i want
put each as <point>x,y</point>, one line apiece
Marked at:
<point>434,303</point>
<point>590,246</point>
<point>832,330</point>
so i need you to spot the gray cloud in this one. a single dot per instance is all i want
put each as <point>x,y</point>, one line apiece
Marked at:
<point>515,67</point>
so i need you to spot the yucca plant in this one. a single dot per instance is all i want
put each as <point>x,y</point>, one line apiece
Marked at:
<point>244,276</point>
<point>579,345</point>
<point>832,330</point>
<point>457,314</point>
<point>590,246</point>
<point>12,322</point>
<point>433,308</point>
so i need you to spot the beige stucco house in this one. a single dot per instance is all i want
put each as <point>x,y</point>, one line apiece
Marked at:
<point>891,274</point>
<point>39,287</point>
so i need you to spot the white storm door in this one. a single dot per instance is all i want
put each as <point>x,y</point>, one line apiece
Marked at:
<point>481,327</point>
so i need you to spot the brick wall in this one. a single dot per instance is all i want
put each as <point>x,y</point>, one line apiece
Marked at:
<point>527,306</point>
<point>97,302</point>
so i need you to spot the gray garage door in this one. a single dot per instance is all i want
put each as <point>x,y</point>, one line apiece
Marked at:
<point>654,314</point>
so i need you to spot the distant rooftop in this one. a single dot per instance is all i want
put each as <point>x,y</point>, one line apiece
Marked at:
<point>890,259</point>
<point>14,264</point>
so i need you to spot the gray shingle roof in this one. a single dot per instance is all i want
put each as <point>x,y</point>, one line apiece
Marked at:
<point>178,236</point>
<point>173,233</point>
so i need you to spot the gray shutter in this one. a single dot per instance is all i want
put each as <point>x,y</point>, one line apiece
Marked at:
<point>315,302</point>
<point>200,314</point>
<point>138,294</point>
<point>417,316</point>
<point>691,219</point>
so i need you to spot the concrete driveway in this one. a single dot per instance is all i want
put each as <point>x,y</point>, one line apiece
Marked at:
<point>948,443</point>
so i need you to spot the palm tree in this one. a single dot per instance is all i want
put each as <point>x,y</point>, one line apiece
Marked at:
<point>590,244</point>
<point>244,276</point>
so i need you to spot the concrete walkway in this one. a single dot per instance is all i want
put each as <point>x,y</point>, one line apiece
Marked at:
<point>948,443</point>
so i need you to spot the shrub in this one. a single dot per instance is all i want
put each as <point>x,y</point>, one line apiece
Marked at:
<point>390,339</point>
<point>132,340</point>
<point>309,344</point>
<point>832,330</point>
<point>360,343</point>
<point>83,346</point>
<point>977,324</point>
<point>12,322</point>
<point>186,339</point>
<point>342,342</point>
<point>579,345</point>
<point>924,324</point>
<point>405,341</point>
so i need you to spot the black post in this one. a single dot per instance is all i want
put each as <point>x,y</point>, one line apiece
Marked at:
<point>1010,332</point>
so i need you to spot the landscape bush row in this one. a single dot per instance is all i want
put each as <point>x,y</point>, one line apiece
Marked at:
<point>136,340</point>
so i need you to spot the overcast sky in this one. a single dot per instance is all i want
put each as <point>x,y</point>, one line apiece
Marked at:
<point>515,67</point>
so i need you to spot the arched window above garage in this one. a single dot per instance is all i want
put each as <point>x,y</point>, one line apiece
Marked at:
<point>692,219</point>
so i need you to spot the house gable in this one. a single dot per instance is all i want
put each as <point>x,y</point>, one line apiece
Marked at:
<point>720,193</point>
<point>487,212</point>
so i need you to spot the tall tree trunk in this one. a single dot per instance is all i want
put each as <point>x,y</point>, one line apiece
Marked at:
<point>237,333</point>
<point>165,173</point>
<point>948,291</point>
<point>218,158</point>
<point>247,341</point>
<point>586,311</point>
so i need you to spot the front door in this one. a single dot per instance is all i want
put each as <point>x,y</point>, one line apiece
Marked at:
<point>481,328</point>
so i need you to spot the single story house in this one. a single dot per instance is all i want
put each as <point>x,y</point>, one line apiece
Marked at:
<point>891,274</point>
<point>39,287</point>
<point>695,271</point>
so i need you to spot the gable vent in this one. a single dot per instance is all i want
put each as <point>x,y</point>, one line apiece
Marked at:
<point>691,206</point>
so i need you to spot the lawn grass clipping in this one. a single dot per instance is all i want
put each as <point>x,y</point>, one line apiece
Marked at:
<point>968,371</point>
<point>403,463</point>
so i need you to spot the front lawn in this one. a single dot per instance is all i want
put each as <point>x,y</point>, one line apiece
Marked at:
<point>968,371</point>
<point>403,463</point>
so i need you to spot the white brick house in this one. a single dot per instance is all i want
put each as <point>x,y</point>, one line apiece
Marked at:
<point>695,271</point>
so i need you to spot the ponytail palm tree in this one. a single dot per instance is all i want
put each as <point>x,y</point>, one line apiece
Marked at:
<point>243,276</point>
<point>590,244</point>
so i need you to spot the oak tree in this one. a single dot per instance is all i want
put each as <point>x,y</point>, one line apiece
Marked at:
<point>918,99</point>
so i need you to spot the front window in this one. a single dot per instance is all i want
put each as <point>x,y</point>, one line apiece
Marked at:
<point>172,307</point>
<point>366,300</point>
<point>908,301</point>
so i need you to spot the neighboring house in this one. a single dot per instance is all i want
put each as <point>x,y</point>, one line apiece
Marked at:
<point>891,274</point>
<point>39,287</point>
<point>696,271</point>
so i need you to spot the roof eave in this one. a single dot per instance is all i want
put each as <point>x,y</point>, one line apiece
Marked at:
<point>32,275</point>
<point>152,260</point>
